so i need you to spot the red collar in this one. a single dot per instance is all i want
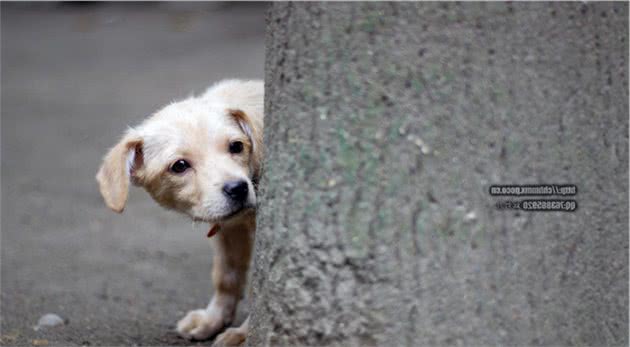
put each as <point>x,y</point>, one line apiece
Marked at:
<point>213,230</point>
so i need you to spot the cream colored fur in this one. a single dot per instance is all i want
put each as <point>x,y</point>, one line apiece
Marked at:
<point>199,130</point>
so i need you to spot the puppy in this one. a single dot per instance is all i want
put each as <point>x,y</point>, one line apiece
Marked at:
<point>202,157</point>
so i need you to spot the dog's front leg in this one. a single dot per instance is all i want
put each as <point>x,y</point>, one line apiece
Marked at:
<point>233,247</point>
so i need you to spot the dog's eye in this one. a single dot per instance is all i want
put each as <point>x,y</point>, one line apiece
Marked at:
<point>180,166</point>
<point>236,147</point>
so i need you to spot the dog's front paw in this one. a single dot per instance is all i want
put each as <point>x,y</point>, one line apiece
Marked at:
<point>200,325</point>
<point>231,337</point>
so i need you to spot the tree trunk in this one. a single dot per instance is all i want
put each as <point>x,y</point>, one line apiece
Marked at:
<point>386,124</point>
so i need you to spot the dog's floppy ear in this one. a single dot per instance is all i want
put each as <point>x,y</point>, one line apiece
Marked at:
<point>115,173</point>
<point>254,133</point>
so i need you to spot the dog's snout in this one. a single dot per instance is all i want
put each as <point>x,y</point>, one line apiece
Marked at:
<point>236,190</point>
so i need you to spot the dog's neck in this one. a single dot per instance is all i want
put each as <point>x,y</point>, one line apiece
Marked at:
<point>245,221</point>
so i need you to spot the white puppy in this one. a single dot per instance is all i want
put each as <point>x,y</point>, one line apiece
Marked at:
<point>201,156</point>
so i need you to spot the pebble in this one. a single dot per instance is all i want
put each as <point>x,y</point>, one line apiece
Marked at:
<point>49,320</point>
<point>470,216</point>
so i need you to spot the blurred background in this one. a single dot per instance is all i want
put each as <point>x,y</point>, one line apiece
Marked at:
<point>74,76</point>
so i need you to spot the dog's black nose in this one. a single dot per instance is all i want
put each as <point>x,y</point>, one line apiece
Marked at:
<point>236,190</point>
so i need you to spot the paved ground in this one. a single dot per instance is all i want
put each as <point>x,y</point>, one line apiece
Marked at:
<point>73,77</point>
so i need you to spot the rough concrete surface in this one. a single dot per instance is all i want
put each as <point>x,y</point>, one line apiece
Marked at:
<point>73,78</point>
<point>386,125</point>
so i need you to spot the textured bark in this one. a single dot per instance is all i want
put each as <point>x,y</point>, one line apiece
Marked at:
<point>387,122</point>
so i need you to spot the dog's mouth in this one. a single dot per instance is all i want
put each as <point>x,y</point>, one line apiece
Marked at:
<point>237,211</point>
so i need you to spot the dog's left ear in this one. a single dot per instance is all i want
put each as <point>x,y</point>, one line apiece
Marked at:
<point>115,173</point>
<point>254,133</point>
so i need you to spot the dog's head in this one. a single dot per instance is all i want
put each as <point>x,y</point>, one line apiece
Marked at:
<point>195,157</point>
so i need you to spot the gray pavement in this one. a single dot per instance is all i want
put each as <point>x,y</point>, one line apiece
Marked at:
<point>73,78</point>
